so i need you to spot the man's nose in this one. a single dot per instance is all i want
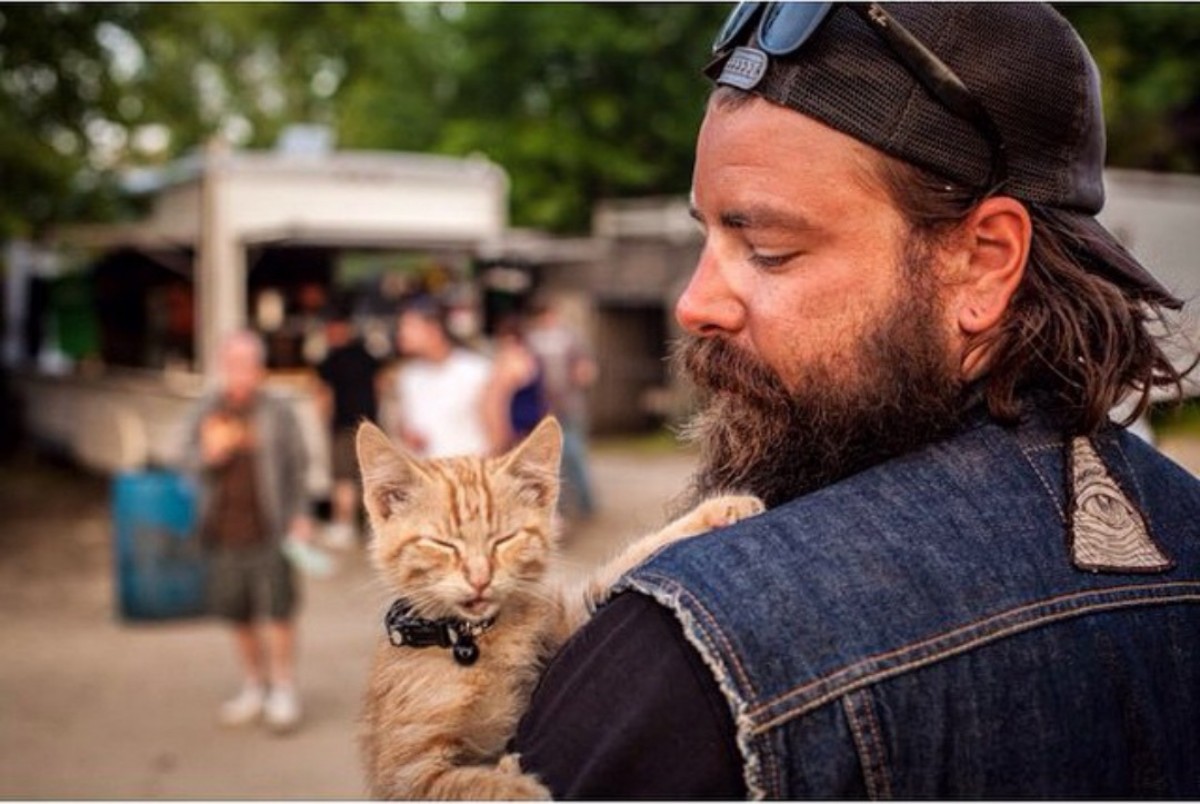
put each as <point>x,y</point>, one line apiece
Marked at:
<point>709,305</point>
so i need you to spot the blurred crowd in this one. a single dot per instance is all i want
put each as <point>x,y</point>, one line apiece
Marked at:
<point>441,394</point>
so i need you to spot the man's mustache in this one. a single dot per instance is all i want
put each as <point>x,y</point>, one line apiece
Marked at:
<point>718,366</point>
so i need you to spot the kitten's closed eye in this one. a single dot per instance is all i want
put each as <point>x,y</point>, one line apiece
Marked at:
<point>505,541</point>
<point>438,544</point>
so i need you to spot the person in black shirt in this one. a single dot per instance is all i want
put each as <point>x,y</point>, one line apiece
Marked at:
<point>349,383</point>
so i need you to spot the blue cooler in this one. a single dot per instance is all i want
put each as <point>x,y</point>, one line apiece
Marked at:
<point>160,563</point>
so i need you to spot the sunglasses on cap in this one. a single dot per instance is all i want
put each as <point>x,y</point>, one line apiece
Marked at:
<point>783,28</point>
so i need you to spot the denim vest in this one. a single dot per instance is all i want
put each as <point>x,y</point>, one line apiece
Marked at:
<point>919,630</point>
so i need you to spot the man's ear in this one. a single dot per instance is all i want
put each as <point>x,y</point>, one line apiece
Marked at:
<point>996,238</point>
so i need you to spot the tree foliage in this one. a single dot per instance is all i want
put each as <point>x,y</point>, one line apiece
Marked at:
<point>1149,59</point>
<point>578,101</point>
<point>57,96</point>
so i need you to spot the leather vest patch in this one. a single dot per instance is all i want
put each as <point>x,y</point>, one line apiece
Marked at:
<point>1106,530</point>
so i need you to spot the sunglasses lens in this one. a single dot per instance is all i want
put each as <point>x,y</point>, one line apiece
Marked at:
<point>787,26</point>
<point>733,26</point>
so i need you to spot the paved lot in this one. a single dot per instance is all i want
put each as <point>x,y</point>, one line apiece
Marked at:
<point>91,707</point>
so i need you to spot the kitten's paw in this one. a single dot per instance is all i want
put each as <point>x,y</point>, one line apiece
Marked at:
<point>529,788</point>
<point>521,786</point>
<point>510,763</point>
<point>720,512</point>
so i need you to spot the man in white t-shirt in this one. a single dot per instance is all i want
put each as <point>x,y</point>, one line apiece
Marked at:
<point>440,387</point>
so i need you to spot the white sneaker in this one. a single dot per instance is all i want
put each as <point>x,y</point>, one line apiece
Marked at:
<point>340,536</point>
<point>282,709</point>
<point>246,708</point>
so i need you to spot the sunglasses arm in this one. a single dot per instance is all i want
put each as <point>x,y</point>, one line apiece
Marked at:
<point>938,79</point>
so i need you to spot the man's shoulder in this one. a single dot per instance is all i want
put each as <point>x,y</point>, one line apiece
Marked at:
<point>991,477</point>
<point>978,523</point>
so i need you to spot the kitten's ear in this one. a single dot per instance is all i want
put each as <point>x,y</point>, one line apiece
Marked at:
<point>389,472</point>
<point>535,463</point>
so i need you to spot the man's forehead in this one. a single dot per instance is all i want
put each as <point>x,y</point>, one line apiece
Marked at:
<point>764,143</point>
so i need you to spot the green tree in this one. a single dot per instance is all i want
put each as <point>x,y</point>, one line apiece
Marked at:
<point>583,102</point>
<point>1149,60</point>
<point>578,101</point>
<point>58,95</point>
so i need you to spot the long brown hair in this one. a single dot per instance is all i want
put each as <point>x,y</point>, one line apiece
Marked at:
<point>1068,330</point>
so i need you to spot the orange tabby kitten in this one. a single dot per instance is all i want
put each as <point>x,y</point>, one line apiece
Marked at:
<point>467,544</point>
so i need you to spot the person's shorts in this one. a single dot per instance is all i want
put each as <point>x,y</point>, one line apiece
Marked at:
<point>344,456</point>
<point>249,582</point>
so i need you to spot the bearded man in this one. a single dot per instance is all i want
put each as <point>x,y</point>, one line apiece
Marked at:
<point>908,329</point>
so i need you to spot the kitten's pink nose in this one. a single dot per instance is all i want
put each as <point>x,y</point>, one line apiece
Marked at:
<point>479,575</point>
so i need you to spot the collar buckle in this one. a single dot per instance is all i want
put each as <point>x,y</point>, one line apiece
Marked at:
<point>406,630</point>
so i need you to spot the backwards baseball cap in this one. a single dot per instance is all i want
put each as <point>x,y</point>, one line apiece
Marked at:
<point>1003,97</point>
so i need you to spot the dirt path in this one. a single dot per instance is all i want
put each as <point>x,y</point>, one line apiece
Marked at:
<point>91,707</point>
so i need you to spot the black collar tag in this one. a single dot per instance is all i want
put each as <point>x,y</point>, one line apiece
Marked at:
<point>406,630</point>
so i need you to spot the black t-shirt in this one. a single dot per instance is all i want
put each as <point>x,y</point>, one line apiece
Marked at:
<point>350,372</point>
<point>629,710</point>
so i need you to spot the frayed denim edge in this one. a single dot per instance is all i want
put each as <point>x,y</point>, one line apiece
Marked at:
<point>694,633</point>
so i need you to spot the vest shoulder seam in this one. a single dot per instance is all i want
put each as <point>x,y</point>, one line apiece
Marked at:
<point>878,667</point>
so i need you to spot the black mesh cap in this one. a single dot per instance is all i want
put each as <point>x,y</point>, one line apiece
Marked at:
<point>1022,61</point>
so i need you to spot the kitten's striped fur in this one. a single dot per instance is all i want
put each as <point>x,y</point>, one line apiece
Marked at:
<point>474,538</point>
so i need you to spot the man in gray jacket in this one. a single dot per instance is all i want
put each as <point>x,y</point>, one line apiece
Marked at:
<point>245,449</point>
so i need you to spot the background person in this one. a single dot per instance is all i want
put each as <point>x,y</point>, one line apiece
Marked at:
<point>568,372</point>
<point>244,447</point>
<point>908,328</point>
<point>349,394</point>
<point>516,395</point>
<point>439,386</point>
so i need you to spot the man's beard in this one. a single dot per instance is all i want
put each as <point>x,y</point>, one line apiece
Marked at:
<point>898,392</point>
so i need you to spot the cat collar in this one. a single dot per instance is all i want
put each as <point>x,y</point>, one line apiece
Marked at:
<point>405,629</point>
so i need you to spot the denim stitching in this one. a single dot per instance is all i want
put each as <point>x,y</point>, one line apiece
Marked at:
<point>885,777</point>
<point>770,771</point>
<point>865,759</point>
<point>888,672</point>
<point>871,755</point>
<point>820,691</point>
<point>1045,481</point>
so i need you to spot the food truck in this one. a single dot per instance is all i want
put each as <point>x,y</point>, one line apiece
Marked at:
<point>111,330</point>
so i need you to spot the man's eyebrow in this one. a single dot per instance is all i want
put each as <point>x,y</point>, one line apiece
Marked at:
<point>757,217</point>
